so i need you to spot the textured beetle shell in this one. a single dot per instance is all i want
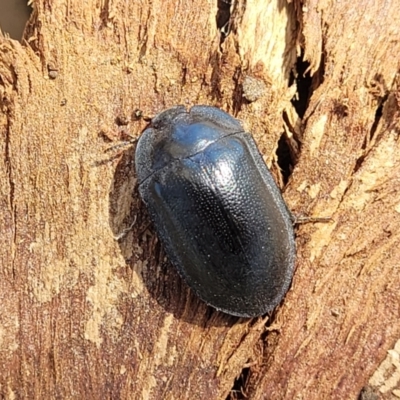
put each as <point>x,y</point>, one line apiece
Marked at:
<point>216,209</point>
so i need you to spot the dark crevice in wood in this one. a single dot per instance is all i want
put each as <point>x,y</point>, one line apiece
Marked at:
<point>303,80</point>
<point>306,84</point>
<point>238,390</point>
<point>223,18</point>
<point>284,156</point>
<point>378,116</point>
<point>215,62</point>
<point>237,96</point>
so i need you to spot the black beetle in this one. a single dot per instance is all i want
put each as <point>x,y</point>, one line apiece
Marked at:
<point>216,209</point>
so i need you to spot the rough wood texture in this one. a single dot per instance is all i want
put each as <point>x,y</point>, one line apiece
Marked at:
<point>86,315</point>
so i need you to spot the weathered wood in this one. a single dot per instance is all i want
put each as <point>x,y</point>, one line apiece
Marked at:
<point>89,313</point>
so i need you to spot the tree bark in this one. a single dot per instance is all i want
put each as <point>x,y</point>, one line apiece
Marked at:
<point>90,307</point>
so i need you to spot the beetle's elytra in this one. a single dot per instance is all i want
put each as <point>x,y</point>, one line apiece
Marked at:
<point>216,209</point>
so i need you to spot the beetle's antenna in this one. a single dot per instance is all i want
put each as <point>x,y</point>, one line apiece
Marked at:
<point>125,143</point>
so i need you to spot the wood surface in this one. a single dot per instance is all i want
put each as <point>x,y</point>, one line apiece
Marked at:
<point>91,308</point>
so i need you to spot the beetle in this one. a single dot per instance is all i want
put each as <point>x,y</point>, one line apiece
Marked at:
<point>216,209</point>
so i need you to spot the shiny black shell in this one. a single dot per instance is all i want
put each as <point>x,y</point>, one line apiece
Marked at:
<point>216,209</point>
